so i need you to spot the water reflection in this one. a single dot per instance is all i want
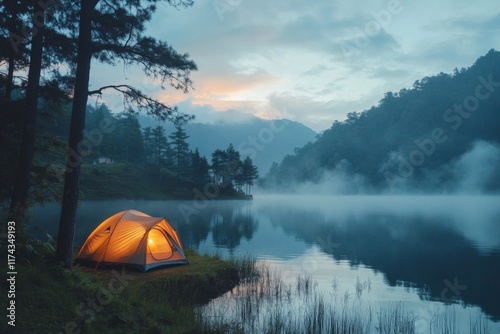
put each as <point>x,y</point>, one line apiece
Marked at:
<point>416,244</point>
<point>444,248</point>
<point>227,222</point>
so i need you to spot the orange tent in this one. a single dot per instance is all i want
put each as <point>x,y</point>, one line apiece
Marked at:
<point>133,238</point>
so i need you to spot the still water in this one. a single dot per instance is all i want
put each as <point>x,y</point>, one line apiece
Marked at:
<point>427,253</point>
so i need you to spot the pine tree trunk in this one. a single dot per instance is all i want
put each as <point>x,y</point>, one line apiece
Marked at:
<point>10,75</point>
<point>22,182</point>
<point>70,195</point>
<point>11,59</point>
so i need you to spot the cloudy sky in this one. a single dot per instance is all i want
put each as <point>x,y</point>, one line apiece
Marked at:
<point>313,61</point>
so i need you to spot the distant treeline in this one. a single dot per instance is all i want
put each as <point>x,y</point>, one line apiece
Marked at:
<point>411,137</point>
<point>125,141</point>
<point>111,138</point>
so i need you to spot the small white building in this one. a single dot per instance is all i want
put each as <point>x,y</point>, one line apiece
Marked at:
<point>103,160</point>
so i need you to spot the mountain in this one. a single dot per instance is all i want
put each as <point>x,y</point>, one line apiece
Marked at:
<point>442,135</point>
<point>265,141</point>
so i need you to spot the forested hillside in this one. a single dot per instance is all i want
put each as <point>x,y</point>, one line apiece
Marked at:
<point>440,135</point>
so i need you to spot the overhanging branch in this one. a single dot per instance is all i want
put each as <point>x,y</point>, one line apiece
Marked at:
<point>134,97</point>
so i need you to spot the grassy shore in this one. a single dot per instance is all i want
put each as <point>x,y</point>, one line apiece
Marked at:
<point>52,299</point>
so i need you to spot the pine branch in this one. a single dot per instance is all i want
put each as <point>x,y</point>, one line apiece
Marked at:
<point>134,97</point>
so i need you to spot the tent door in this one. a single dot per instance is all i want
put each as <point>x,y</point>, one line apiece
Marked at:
<point>159,247</point>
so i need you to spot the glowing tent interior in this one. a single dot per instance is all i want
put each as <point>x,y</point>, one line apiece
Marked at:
<point>133,238</point>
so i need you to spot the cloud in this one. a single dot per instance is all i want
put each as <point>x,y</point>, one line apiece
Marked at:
<point>394,72</point>
<point>471,24</point>
<point>478,169</point>
<point>317,70</point>
<point>207,114</point>
<point>224,86</point>
<point>297,108</point>
<point>261,55</point>
<point>457,39</point>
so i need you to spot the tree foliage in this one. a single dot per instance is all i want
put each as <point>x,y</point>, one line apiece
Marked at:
<point>249,173</point>
<point>180,149</point>
<point>228,169</point>
<point>200,169</point>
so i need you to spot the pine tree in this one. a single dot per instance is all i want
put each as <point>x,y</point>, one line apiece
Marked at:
<point>162,151</point>
<point>129,131</point>
<point>29,28</point>
<point>249,173</point>
<point>14,46</point>
<point>233,168</point>
<point>219,165</point>
<point>199,168</point>
<point>147,135</point>
<point>22,183</point>
<point>180,149</point>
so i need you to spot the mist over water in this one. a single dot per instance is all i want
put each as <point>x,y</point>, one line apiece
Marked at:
<point>339,181</point>
<point>477,218</point>
<point>477,171</point>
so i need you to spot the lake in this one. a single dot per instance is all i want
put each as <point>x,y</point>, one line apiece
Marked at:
<point>428,254</point>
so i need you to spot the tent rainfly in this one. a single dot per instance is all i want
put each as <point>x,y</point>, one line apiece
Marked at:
<point>133,238</point>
